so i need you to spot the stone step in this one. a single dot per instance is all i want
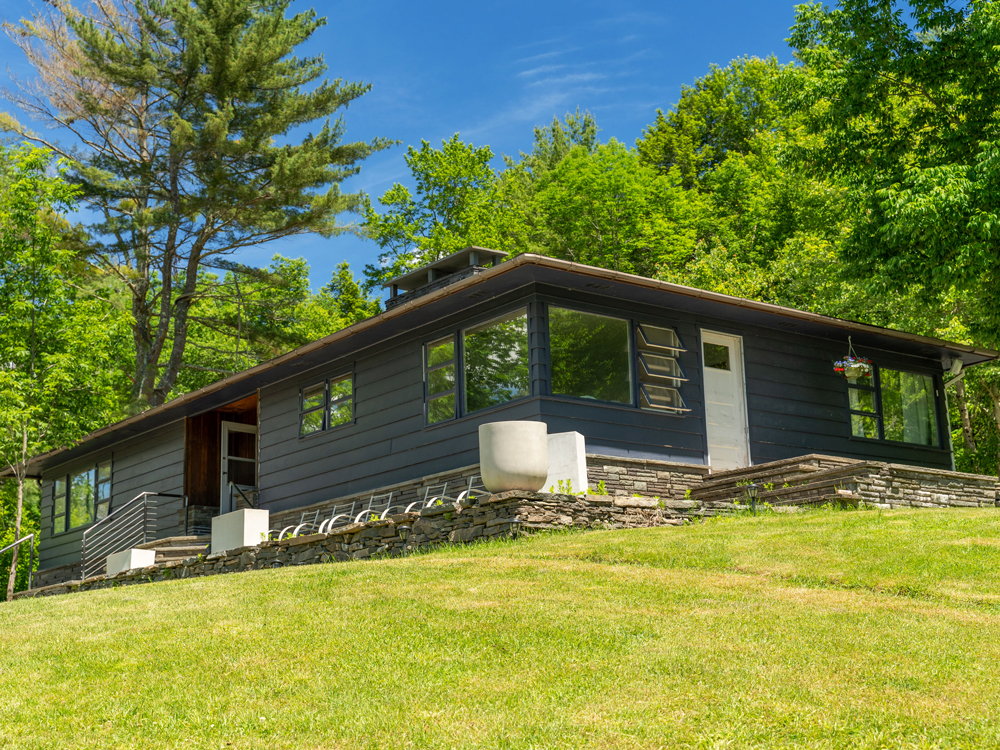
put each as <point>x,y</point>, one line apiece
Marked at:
<point>169,554</point>
<point>175,541</point>
<point>792,475</point>
<point>819,460</point>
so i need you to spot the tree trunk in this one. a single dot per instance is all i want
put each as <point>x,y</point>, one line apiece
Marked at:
<point>995,396</point>
<point>12,579</point>
<point>963,411</point>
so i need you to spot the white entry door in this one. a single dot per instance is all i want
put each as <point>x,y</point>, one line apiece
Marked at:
<point>725,401</point>
<point>239,460</point>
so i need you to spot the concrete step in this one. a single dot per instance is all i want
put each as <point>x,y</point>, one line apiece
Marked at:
<point>175,541</point>
<point>817,460</point>
<point>169,554</point>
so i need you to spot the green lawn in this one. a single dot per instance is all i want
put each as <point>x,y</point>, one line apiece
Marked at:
<point>821,629</point>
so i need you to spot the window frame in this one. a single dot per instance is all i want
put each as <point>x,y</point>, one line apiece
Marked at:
<point>328,404</point>
<point>875,387</point>
<point>61,510</point>
<point>428,369</point>
<point>633,355</point>
<point>461,375</point>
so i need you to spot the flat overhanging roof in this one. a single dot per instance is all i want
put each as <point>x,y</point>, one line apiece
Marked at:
<point>520,271</point>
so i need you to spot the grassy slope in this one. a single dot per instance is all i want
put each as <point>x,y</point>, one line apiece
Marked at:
<point>827,629</point>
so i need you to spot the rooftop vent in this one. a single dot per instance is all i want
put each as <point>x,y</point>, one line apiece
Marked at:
<point>468,262</point>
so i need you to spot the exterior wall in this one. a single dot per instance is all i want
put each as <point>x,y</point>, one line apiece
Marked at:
<point>796,405</point>
<point>147,463</point>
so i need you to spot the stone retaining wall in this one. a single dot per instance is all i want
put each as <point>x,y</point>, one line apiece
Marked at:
<point>897,485</point>
<point>637,476</point>
<point>487,518</point>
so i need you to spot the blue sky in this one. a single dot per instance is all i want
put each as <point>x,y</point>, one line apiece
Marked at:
<point>493,71</point>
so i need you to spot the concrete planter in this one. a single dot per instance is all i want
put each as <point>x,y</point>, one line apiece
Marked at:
<point>514,455</point>
<point>129,559</point>
<point>242,528</point>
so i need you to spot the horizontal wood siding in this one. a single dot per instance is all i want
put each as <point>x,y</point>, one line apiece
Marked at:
<point>797,404</point>
<point>387,443</point>
<point>153,462</point>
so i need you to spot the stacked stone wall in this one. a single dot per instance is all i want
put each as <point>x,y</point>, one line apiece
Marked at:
<point>897,485</point>
<point>490,517</point>
<point>636,476</point>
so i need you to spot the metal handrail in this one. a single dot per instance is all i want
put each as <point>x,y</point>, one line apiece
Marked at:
<point>118,526</point>
<point>234,486</point>
<point>31,556</point>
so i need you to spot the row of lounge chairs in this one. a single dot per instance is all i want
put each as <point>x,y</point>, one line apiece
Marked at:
<point>378,507</point>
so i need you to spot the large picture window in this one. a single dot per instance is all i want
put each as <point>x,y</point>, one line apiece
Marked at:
<point>590,356</point>
<point>325,405</point>
<point>495,362</point>
<point>80,499</point>
<point>894,405</point>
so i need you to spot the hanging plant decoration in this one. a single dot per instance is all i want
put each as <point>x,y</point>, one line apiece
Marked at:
<point>853,366</point>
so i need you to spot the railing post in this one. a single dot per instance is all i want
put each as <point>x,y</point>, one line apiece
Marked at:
<point>31,559</point>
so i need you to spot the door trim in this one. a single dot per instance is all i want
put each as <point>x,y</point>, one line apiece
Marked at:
<point>225,428</point>
<point>741,372</point>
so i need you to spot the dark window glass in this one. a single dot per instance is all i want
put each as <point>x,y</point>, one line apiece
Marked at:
<point>660,374</point>
<point>441,409</point>
<point>441,379</point>
<point>657,337</point>
<point>716,356</point>
<point>660,397</point>
<point>864,426</point>
<point>902,408</point>
<point>314,396</point>
<point>81,499</point>
<point>103,492</point>
<point>441,352</point>
<point>341,401</point>
<point>312,416</point>
<point>496,362</point>
<point>326,405</point>
<point>590,356</point>
<point>439,369</point>
<point>59,505</point>
<point>311,422</point>
<point>908,407</point>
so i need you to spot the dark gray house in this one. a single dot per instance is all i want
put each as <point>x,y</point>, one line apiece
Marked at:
<point>641,368</point>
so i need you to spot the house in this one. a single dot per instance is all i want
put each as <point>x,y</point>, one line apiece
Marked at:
<point>641,368</point>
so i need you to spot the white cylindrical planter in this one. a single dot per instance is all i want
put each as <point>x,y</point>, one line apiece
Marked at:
<point>514,455</point>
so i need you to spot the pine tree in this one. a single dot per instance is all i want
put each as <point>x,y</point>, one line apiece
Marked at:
<point>182,121</point>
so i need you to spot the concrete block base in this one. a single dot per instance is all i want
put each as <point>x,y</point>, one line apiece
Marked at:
<point>242,528</point>
<point>567,462</point>
<point>130,559</point>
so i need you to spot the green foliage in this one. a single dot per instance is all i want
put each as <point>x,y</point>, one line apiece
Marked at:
<point>457,204</point>
<point>904,99</point>
<point>183,120</point>
<point>350,302</point>
<point>721,115</point>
